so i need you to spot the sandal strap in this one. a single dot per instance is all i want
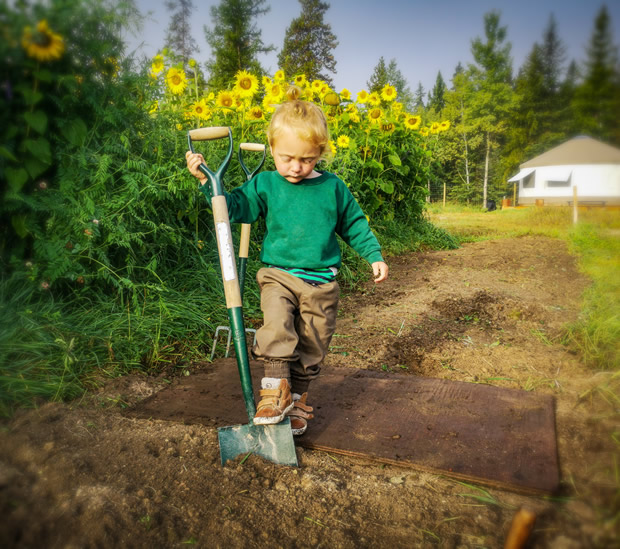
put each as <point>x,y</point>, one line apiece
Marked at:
<point>301,410</point>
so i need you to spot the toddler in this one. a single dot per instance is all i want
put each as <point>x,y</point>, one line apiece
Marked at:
<point>304,209</point>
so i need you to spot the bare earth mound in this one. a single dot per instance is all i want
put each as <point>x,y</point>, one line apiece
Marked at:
<point>85,475</point>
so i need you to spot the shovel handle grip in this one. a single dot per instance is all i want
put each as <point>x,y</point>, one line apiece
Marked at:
<point>244,243</point>
<point>207,134</point>
<point>257,147</point>
<point>226,252</point>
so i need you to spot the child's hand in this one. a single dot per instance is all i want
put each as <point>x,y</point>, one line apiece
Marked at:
<point>193,161</point>
<point>380,271</point>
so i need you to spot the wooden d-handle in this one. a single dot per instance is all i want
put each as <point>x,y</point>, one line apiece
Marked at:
<point>258,147</point>
<point>206,134</point>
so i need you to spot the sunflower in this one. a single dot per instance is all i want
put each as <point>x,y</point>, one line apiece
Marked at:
<point>331,98</point>
<point>157,65</point>
<point>388,93</point>
<point>345,94</point>
<point>154,107</point>
<point>300,80</point>
<point>332,146</point>
<point>201,110</point>
<point>266,81</point>
<point>317,86</point>
<point>42,44</point>
<point>374,99</point>
<point>246,85</point>
<point>375,115</point>
<point>435,127</point>
<point>424,132</point>
<point>343,141</point>
<point>388,127</point>
<point>354,115</point>
<point>279,76</point>
<point>412,122</point>
<point>225,99</point>
<point>445,125</point>
<point>255,113</point>
<point>397,107</point>
<point>276,91</point>
<point>269,103</point>
<point>176,80</point>
<point>362,96</point>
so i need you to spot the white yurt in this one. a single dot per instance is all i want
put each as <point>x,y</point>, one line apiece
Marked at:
<point>583,162</point>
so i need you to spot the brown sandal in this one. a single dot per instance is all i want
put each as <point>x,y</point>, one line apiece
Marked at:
<point>300,414</point>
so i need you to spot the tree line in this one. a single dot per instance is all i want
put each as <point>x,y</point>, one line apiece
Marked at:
<point>499,119</point>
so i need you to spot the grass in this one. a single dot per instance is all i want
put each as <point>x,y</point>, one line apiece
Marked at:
<point>595,240</point>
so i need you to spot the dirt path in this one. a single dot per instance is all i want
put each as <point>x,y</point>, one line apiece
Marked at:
<point>84,475</point>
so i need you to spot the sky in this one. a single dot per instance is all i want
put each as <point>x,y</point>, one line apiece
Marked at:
<point>423,36</point>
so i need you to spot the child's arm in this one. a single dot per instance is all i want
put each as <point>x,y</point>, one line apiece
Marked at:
<point>193,161</point>
<point>380,271</point>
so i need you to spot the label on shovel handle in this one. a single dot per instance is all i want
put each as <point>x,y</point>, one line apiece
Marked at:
<point>227,257</point>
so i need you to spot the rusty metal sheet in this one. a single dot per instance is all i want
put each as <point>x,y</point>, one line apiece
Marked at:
<point>495,436</point>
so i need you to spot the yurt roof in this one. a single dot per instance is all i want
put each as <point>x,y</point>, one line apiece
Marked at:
<point>579,150</point>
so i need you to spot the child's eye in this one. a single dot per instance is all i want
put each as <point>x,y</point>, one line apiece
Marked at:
<point>308,160</point>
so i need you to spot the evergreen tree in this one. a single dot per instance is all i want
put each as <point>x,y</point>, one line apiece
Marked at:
<point>235,40</point>
<point>553,57</point>
<point>390,74</point>
<point>397,79</point>
<point>309,44</point>
<point>418,100</point>
<point>378,78</point>
<point>597,99</point>
<point>540,120</point>
<point>493,97</point>
<point>436,99</point>
<point>179,41</point>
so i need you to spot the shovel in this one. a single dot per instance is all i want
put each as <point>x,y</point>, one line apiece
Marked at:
<point>272,442</point>
<point>244,244</point>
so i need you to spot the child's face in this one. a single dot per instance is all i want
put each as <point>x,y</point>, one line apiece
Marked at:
<point>294,157</point>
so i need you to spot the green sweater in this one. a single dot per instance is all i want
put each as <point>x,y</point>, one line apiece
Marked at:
<point>303,219</point>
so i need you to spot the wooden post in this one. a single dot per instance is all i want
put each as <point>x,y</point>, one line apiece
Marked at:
<point>444,194</point>
<point>575,211</point>
<point>514,194</point>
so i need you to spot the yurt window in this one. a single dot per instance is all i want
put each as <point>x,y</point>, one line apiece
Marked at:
<point>529,181</point>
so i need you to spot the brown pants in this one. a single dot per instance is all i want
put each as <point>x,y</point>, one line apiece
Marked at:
<point>299,322</point>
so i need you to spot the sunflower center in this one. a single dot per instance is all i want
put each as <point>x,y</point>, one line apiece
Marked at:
<point>43,39</point>
<point>227,101</point>
<point>245,83</point>
<point>176,79</point>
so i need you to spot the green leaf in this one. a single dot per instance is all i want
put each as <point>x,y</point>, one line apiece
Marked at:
<point>372,163</point>
<point>37,120</point>
<point>395,160</point>
<point>387,187</point>
<point>74,131</point>
<point>35,167</point>
<point>31,97</point>
<point>19,225</point>
<point>43,75</point>
<point>39,148</point>
<point>16,178</point>
<point>4,152</point>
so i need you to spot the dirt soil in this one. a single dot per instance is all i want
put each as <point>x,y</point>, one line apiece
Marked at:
<point>83,474</point>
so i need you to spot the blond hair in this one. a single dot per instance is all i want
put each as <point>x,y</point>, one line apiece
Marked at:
<point>306,119</point>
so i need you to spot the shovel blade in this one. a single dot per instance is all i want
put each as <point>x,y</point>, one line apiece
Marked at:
<point>272,442</point>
